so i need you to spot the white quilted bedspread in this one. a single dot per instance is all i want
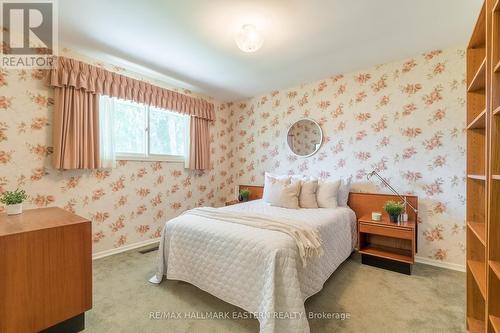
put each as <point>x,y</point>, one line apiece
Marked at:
<point>256,269</point>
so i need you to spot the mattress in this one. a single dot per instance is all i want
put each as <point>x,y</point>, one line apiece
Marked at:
<point>256,269</point>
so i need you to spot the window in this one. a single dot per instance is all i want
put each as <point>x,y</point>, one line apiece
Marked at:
<point>129,134</point>
<point>167,132</point>
<point>142,132</point>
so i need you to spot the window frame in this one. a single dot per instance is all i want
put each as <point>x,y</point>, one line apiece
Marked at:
<point>147,156</point>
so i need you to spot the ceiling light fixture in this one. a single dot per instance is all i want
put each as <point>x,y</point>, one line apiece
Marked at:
<point>249,39</point>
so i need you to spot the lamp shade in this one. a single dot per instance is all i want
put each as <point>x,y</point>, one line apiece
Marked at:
<point>249,39</point>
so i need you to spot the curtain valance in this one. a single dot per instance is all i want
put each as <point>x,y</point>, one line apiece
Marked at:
<point>73,73</point>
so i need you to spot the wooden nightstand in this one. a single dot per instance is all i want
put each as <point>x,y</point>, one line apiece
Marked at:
<point>383,243</point>
<point>386,244</point>
<point>256,193</point>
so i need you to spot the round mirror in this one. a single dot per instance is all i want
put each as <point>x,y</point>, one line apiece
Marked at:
<point>304,137</point>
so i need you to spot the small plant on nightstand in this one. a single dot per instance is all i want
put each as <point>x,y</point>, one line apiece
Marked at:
<point>14,201</point>
<point>394,209</point>
<point>244,194</point>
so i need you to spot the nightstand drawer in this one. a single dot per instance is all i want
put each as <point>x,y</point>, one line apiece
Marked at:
<point>386,231</point>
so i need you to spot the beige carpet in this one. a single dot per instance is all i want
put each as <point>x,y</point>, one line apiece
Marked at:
<point>430,300</point>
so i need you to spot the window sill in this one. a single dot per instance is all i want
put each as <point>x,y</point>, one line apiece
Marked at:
<point>172,159</point>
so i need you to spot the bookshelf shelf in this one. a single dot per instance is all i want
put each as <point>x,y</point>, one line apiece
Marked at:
<point>479,80</point>
<point>496,7</point>
<point>475,325</point>
<point>495,267</point>
<point>495,322</point>
<point>478,270</point>
<point>479,122</point>
<point>476,177</point>
<point>479,230</point>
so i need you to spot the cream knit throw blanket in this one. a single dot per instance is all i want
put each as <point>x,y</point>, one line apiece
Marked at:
<point>307,238</point>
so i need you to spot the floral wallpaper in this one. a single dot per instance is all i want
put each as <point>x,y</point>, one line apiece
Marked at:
<point>126,205</point>
<point>405,119</point>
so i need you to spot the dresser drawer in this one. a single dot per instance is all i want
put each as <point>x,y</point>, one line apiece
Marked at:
<point>386,231</point>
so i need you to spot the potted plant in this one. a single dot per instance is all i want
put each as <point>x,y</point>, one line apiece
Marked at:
<point>14,201</point>
<point>394,209</point>
<point>244,194</point>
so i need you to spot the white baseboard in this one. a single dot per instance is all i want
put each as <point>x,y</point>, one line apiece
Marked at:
<point>433,262</point>
<point>121,249</point>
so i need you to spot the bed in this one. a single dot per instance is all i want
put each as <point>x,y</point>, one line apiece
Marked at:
<point>256,269</point>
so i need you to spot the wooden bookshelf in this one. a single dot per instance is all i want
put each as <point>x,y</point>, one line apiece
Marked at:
<point>478,76</point>
<point>483,172</point>
<point>493,212</point>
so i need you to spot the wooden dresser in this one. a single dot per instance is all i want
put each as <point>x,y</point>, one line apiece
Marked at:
<point>45,271</point>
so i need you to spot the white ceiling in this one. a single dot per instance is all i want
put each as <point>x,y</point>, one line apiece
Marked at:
<point>305,40</point>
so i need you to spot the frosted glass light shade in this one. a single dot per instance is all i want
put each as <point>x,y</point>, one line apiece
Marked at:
<point>249,39</point>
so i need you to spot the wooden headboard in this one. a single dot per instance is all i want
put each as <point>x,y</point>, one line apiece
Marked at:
<point>256,191</point>
<point>363,204</point>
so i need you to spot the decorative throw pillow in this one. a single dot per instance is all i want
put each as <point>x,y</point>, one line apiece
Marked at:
<point>327,195</point>
<point>307,196</point>
<point>344,189</point>
<point>281,192</point>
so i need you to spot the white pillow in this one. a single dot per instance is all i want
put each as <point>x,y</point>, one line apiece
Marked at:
<point>281,192</point>
<point>280,177</point>
<point>298,177</point>
<point>327,195</point>
<point>307,196</point>
<point>344,189</point>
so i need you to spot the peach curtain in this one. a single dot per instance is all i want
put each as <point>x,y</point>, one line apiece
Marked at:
<point>75,129</point>
<point>76,125</point>
<point>199,151</point>
<point>73,73</point>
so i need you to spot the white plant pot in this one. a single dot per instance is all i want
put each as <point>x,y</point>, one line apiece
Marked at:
<point>14,209</point>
